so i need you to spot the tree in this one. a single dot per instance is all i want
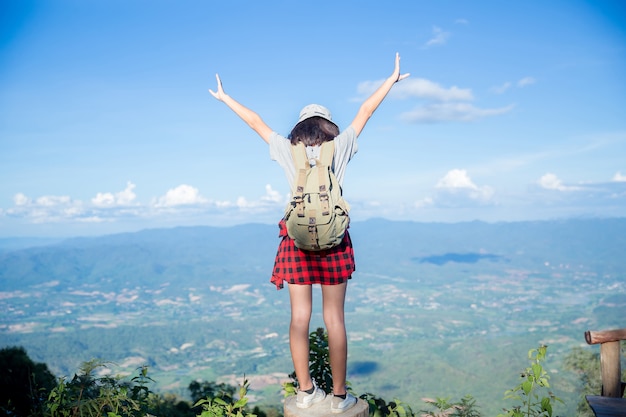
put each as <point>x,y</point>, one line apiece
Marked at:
<point>24,384</point>
<point>587,365</point>
<point>169,405</point>
<point>205,389</point>
<point>319,363</point>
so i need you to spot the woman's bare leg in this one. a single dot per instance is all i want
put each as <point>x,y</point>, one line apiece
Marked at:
<point>301,305</point>
<point>334,297</point>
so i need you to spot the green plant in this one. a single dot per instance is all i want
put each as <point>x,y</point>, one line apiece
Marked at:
<point>468,407</point>
<point>531,391</point>
<point>224,407</point>
<point>378,407</point>
<point>89,395</point>
<point>442,407</point>
<point>319,364</point>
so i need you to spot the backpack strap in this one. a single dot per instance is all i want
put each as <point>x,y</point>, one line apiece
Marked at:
<point>298,153</point>
<point>327,152</point>
<point>301,162</point>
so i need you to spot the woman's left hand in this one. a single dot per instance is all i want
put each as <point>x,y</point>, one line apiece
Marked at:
<point>220,94</point>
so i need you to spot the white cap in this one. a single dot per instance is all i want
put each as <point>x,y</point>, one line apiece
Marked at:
<point>313,110</point>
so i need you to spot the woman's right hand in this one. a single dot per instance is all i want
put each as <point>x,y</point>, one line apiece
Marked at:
<point>396,76</point>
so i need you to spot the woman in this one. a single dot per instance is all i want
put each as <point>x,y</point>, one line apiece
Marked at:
<point>332,268</point>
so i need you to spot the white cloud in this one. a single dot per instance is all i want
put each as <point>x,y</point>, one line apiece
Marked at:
<point>20,199</point>
<point>53,200</point>
<point>550,181</point>
<point>182,195</point>
<point>441,104</point>
<point>501,89</point>
<point>103,199</point>
<point>44,209</point>
<point>526,81</point>
<point>242,202</point>
<point>122,198</point>
<point>456,189</point>
<point>273,196</point>
<point>445,112</point>
<point>425,202</point>
<point>181,202</point>
<point>420,88</point>
<point>590,198</point>
<point>458,180</point>
<point>618,177</point>
<point>440,37</point>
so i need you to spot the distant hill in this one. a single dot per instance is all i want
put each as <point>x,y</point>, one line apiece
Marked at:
<point>11,244</point>
<point>160,254</point>
<point>381,246</point>
<point>597,243</point>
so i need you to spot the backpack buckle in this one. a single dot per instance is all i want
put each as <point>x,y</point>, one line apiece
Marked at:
<point>313,234</point>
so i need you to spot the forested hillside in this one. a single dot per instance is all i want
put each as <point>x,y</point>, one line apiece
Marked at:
<point>433,309</point>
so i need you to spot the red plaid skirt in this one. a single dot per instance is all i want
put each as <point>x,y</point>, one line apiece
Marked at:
<point>327,267</point>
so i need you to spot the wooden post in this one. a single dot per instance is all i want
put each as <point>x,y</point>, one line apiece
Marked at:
<point>595,337</point>
<point>611,372</point>
<point>322,409</point>
<point>609,341</point>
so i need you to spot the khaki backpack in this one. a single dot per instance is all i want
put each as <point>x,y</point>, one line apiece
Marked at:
<point>317,215</point>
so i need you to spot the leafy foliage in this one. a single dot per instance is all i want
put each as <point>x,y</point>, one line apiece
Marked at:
<point>442,407</point>
<point>530,392</point>
<point>378,407</point>
<point>90,395</point>
<point>24,384</point>
<point>225,407</point>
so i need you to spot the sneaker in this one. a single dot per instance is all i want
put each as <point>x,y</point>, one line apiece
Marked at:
<point>304,400</point>
<point>339,405</point>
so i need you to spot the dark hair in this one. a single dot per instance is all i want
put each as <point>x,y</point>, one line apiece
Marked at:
<point>313,131</point>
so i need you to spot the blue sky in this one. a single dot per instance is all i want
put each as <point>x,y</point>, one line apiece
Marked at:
<point>513,111</point>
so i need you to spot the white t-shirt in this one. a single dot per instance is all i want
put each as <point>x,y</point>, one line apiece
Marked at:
<point>345,148</point>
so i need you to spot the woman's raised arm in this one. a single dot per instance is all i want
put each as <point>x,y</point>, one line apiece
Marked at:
<point>370,105</point>
<point>251,118</point>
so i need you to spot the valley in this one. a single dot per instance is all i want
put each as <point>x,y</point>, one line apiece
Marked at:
<point>433,319</point>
